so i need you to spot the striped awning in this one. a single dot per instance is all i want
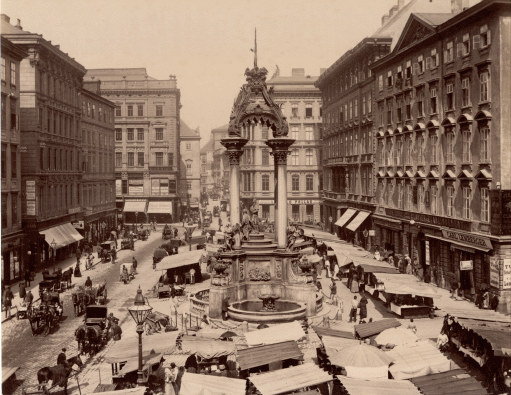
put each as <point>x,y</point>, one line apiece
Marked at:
<point>63,235</point>
<point>135,206</point>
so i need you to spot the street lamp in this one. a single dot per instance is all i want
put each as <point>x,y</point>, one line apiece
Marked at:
<point>190,227</point>
<point>53,247</point>
<point>139,311</point>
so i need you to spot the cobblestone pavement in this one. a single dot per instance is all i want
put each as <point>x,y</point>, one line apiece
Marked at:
<point>20,348</point>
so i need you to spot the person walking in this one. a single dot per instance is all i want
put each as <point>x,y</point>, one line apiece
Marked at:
<point>23,291</point>
<point>29,298</point>
<point>170,378</point>
<point>333,292</point>
<point>27,277</point>
<point>88,282</point>
<point>353,311</point>
<point>135,264</point>
<point>179,377</point>
<point>192,276</point>
<point>363,307</point>
<point>7,301</point>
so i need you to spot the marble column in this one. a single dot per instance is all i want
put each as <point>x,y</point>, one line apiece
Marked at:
<point>280,152</point>
<point>234,151</point>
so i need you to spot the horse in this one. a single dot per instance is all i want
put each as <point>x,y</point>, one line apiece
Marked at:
<point>58,374</point>
<point>90,339</point>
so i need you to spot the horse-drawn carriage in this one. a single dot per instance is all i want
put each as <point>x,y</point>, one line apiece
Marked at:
<point>143,234</point>
<point>84,297</point>
<point>155,322</point>
<point>91,336</point>
<point>167,233</point>
<point>107,251</point>
<point>127,243</point>
<point>45,317</point>
<point>54,376</point>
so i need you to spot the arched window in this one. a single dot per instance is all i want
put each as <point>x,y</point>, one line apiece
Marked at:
<point>265,182</point>
<point>295,183</point>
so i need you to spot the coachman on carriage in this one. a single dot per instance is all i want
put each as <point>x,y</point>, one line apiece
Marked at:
<point>92,336</point>
<point>46,316</point>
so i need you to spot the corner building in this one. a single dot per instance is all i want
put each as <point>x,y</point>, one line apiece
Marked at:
<point>442,147</point>
<point>190,166</point>
<point>146,141</point>
<point>300,102</point>
<point>50,146</point>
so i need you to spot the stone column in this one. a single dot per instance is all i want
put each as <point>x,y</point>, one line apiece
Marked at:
<point>234,152</point>
<point>280,151</point>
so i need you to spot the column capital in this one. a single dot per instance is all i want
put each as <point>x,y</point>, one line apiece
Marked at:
<point>233,143</point>
<point>280,157</point>
<point>234,157</point>
<point>280,149</point>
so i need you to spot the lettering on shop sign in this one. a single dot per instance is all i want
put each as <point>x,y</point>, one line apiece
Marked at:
<point>468,239</point>
<point>430,219</point>
<point>494,272</point>
<point>506,273</point>
<point>466,265</point>
<point>506,212</point>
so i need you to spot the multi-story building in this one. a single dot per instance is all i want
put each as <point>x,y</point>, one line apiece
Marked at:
<point>98,179</point>
<point>146,141</point>
<point>220,167</point>
<point>348,110</point>
<point>190,166</point>
<point>12,232</point>
<point>51,145</point>
<point>442,114</point>
<point>300,101</point>
<point>206,160</point>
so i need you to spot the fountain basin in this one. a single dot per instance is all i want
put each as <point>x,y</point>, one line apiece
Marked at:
<point>252,311</point>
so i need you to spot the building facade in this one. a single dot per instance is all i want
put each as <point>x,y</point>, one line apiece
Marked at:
<point>300,101</point>
<point>443,100</point>
<point>220,167</point>
<point>347,88</point>
<point>206,160</point>
<point>51,145</point>
<point>146,141</point>
<point>190,166</point>
<point>12,233</point>
<point>98,179</point>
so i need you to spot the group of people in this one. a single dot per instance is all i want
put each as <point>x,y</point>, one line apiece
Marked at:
<point>173,377</point>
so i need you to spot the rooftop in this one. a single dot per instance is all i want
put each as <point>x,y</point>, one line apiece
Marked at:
<point>207,147</point>
<point>186,131</point>
<point>130,74</point>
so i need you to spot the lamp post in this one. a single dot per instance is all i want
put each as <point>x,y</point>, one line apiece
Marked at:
<point>190,227</point>
<point>53,247</point>
<point>139,311</point>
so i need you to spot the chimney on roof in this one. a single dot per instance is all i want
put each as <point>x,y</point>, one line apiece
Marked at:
<point>384,19</point>
<point>298,72</point>
<point>393,11</point>
<point>18,25</point>
<point>6,18</point>
<point>57,46</point>
<point>458,6</point>
<point>322,70</point>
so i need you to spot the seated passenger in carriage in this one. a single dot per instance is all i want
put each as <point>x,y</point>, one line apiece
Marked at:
<point>88,283</point>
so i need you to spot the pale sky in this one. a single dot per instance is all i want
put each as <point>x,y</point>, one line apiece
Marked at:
<point>206,44</point>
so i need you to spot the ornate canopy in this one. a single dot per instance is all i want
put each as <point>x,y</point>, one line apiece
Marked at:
<point>255,104</point>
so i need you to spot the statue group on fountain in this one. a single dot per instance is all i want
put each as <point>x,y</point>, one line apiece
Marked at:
<point>293,233</point>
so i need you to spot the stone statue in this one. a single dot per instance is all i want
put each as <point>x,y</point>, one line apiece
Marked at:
<point>229,237</point>
<point>237,235</point>
<point>255,215</point>
<point>246,225</point>
<point>291,238</point>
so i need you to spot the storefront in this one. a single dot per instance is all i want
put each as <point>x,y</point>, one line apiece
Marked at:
<point>59,243</point>
<point>13,259</point>
<point>160,211</point>
<point>135,211</point>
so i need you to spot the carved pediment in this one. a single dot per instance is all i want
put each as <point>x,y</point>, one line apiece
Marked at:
<point>417,28</point>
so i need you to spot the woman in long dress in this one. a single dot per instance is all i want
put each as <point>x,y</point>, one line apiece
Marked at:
<point>354,283</point>
<point>336,271</point>
<point>170,378</point>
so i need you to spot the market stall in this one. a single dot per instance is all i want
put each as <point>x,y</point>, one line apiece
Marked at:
<point>270,357</point>
<point>417,359</point>
<point>452,382</point>
<point>377,387</point>
<point>396,336</point>
<point>180,265</point>
<point>209,353</point>
<point>275,334</point>
<point>363,331</point>
<point>294,378</point>
<point>201,384</point>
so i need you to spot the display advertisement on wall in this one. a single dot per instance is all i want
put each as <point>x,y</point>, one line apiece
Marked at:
<point>118,187</point>
<point>506,273</point>
<point>466,265</point>
<point>494,272</point>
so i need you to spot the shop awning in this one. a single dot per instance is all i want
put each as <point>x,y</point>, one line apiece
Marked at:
<point>482,247</point>
<point>489,315</point>
<point>320,331</point>
<point>182,259</point>
<point>361,216</point>
<point>413,288</point>
<point>345,217</point>
<point>135,206</point>
<point>335,344</point>
<point>377,387</point>
<point>63,235</point>
<point>290,379</point>
<point>127,348</point>
<point>202,384</point>
<point>373,328</point>
<point>417,359</point>
<point>262,355</point>
<point>275,334</point>
<point>496,333</point>
<point>373,266</point>
<point>452,382</point>
<point>159,208</point>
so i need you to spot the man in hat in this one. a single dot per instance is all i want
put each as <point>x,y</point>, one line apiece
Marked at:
<point>7,301</point>
<point>29,298</point>
<point>62,359</point>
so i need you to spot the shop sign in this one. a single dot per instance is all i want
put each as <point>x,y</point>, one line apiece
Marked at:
<point>136,190</point>
<point>74,210</point>
<point>30,186</point>
<point>372,233</point>
<point>304,201</point>
<point>472,240</point>
<point>427,252</point>
<point>430,219</point>
<point>466,265</point>
<point>494,272</point>
<point>266,202</point>
<point>506,273</point>
<point>31,207</point>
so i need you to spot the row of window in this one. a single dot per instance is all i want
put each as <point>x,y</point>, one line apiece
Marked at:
<point>248,157</point>
<point>353,76</point>
<point>248,182</point>
<point>417,198</point>
<point>57,159</point>
<point>347,143</point>
<point>57,123</point>
<point>137,110</point>
<point>91,137</point>
<point>141,159</point>
<point>348,111</point>
<point>101,114</point>
<point>398,150</point>
<point>55,88</point>
<point>13,162</point>
<point>295,113</point>
<point>12,72</point>
<point>402,107</point>
<point>140,134</point>
<point>352,181</point>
